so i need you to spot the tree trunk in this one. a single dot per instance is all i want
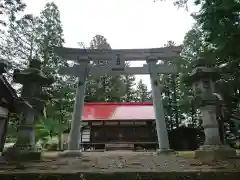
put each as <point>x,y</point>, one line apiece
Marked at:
<point>175,99</point>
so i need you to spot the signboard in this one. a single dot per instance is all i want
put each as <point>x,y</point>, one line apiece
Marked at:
<point>118,63</point>
<point>86,135</point>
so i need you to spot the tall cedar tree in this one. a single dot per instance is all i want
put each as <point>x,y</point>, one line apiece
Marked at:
<point>104,88</point>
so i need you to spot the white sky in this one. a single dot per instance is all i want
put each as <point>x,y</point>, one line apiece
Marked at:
<point>125,23</point>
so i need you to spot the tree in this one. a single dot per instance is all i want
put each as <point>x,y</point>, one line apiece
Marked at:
<point>96,87</point>
<point>179,3</point>
<point>51,35</point>
<point>215,37</point>
<point>223,32</point>
<point>20,42</point>
<point>171,93</point>
<point>10,8</point>
<point>143,95</point>
<point>193,48</point>
<point>130,91</point>
<point>60,95</point>
<point>104,88</point>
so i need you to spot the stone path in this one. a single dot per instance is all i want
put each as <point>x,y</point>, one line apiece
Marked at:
<point>120,161</point>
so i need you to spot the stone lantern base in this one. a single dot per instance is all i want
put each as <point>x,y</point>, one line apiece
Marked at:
<point>214,152</point>
<point>16,154</point>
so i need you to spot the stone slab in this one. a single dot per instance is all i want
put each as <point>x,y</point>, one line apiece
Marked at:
<point>208,153</point>
<point>70,153</point>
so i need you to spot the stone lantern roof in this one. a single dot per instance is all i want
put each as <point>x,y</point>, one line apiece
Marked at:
<point>32,74</point>
<point>202,69</point>
<point>33,80</point>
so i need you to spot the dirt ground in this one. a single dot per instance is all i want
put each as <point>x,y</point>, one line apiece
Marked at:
<point>120,161</point>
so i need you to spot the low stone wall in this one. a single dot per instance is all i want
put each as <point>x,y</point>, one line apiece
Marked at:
<point>124,176</point>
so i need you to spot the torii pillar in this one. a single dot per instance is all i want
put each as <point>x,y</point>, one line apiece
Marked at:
<point>74,139</point>
<point>161,127</point>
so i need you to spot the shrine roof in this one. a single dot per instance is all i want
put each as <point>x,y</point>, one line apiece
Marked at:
<point>9,98</point>
<point>8,93</point>
<point>118,111</point>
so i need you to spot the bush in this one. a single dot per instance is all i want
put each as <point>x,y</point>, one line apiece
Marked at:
<point>236,144</point>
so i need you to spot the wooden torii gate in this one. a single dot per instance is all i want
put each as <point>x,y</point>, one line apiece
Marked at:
<point>116,65</point>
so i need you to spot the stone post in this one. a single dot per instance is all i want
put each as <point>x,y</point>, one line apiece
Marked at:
<point>161,128</point>
<point>74,140</point>
<point>210,125</point>
<point>202,79</point>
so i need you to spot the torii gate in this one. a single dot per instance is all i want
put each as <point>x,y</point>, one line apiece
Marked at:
<point>116,65</point>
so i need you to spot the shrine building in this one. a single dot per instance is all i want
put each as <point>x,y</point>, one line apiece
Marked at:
<point>124,125</point>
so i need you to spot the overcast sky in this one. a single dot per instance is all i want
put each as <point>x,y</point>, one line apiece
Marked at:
<point>125,23</point>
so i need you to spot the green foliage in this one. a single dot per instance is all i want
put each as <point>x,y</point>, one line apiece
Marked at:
<point>219,20</point>
<point>35,37</point>
<point>142,92</point>
<point>10,8</point>
<point>215,37</point>
<point>20,42</point>
<point>130,92</point>
<point>51,35</point>
<point>104,88</point>
<point>49,128</point>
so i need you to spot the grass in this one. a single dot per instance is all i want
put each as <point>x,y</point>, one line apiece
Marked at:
<point>187,154</point>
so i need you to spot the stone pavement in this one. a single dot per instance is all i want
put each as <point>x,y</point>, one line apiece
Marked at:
<point>121,161</point>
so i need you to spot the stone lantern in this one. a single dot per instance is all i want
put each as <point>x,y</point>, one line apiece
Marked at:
<point>9,103</point>
<point>32,80</point>
<point>202,79</point>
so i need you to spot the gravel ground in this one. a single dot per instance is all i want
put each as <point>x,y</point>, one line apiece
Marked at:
<point>121,161</point>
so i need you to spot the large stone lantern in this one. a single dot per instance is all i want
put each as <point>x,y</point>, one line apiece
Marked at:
<point>202,79</point>
<point>9,103</point>
<point>32,80</point>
